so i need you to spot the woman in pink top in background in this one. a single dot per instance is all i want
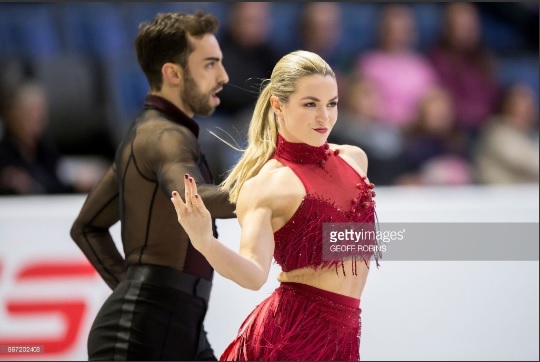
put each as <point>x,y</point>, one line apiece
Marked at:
<point>402,76</point>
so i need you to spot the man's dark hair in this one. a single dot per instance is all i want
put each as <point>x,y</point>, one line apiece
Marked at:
<point>165,40</point>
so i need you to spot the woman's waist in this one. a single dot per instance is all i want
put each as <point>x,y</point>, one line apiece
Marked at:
<point>342,281</point>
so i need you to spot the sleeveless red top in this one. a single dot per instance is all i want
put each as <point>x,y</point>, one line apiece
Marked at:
<point>335,193</point>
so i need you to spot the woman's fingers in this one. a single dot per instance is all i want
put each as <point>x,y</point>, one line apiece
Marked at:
<point>199,204</point>
<point>193,200</point>
<point>178,203</point>
<point>188,191</point>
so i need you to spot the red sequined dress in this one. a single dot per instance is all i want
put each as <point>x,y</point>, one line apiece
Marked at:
<point>300,322</point>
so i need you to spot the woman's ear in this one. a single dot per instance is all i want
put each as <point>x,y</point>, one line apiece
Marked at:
<point>172,73</point>
<point>276,105</point>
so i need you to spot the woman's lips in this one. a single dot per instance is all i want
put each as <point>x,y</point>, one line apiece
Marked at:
<point>321,130</point>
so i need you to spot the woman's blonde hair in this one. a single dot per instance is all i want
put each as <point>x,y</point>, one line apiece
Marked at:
<point>263,128</point>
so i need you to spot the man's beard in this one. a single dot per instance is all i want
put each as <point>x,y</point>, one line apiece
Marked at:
<point>198,102</point>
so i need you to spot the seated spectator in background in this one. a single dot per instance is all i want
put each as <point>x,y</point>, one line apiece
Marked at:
<point>434,147</point>
<point>247,56</point>
<point>360,124</point>
<point>507,151</point>
<point>28,161</point>
<point>465,67</point>
<point>402,75</point>
<point>319,31</point>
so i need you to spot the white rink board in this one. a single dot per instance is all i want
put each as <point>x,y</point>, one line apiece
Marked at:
<point>452,310</point>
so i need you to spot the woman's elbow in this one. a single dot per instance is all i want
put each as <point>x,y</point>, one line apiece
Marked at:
<point>254,286</point>
<point>256,283</point>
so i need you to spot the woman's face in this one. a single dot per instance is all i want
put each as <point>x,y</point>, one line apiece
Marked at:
<point>520,107</point>
<point>311,112</point>
<point>438,114</point>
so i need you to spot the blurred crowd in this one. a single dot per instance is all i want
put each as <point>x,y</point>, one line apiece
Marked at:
<point>428,107</point>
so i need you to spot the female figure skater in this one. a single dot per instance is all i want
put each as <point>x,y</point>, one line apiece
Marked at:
<point>289,182</point>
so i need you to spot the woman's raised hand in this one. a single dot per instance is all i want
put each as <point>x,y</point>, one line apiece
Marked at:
<point>193,215</point>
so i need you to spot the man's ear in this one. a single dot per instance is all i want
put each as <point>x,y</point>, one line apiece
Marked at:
<point>172,73</point>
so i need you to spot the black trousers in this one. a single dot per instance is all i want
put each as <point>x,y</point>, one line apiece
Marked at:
<point>157,313</point>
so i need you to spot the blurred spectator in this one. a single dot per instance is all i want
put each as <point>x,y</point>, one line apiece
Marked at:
<point>465,67</point>
<point>401,74</point>
<point>508,146</point>
<point>247,55</point>
<point>360,124</point>
<point>29,161</point>
<point>320,31</point>
<point>435,148</point>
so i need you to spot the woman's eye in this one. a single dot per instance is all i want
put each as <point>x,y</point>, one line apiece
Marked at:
<point>310,104</point>
<point>332,104</point>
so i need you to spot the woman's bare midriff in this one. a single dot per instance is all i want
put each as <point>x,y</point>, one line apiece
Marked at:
<point>327,279</point>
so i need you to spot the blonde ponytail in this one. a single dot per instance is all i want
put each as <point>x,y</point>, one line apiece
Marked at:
<point>262,139</point>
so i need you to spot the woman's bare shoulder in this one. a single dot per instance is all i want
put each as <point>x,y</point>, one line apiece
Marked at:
<point>273,183</point>
<point>271,177</point>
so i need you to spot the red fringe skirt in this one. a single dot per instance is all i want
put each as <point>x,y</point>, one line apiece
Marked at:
<point>298,323</point>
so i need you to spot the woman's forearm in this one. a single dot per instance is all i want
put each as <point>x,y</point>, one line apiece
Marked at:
<point>244,271</point>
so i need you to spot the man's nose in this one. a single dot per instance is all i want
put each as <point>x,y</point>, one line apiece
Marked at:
<point>223,76</point>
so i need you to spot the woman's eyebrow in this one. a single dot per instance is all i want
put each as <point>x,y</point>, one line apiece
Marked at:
<point>317,99</point>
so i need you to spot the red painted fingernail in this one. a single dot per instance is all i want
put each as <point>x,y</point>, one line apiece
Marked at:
<point>186,176</point>
<point>196,196</point>
<point>174,193</point>
<point>190,179</point>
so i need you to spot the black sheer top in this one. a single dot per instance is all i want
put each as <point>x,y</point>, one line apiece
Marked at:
<point>158,149</point>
